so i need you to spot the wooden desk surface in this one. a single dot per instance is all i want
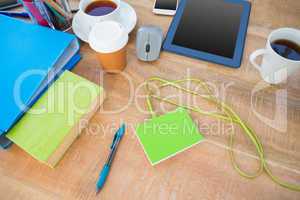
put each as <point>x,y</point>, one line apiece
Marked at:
<point>202,172</point>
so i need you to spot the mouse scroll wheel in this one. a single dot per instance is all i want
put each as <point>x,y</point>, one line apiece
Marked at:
<point>147,48</point>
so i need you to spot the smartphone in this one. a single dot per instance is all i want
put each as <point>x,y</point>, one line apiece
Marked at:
<point>165,7</point>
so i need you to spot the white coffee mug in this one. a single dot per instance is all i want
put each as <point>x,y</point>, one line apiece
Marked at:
<point>274,68</point>
<point>88,21</point>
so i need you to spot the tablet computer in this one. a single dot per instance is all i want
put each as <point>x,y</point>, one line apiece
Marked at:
<point>212,30</point>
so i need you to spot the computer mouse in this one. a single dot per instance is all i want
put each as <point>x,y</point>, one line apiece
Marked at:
<point>148,43</point>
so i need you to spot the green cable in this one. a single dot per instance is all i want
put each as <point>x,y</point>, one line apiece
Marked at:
<point>228,115</point>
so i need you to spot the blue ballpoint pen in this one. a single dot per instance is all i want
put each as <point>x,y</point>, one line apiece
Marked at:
<point>106,168</point>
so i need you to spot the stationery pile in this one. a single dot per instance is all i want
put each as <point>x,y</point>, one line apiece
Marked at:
<point>40,114</point>
<point>55,14</point>
<point>32,58</point>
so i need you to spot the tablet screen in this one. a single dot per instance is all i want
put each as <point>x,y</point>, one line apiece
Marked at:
<point>210,26</point>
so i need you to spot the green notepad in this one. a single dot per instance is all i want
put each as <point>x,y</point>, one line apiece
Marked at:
<point>167,135</point>
<point>56,119</point>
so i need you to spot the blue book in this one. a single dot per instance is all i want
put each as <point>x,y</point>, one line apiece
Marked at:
<point>32,57</point>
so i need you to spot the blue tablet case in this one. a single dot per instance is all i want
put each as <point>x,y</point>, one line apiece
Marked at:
<point>234,62</point>
<point>32,56</point>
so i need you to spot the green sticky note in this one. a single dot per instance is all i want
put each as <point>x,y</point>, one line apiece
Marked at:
<point>53,122</point>
<point>164,136</point>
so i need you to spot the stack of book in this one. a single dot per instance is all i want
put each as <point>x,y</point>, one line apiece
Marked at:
<point>34,64</point>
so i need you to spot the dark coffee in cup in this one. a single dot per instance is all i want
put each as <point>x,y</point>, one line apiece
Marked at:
<point>100,7</point>
<point>287,49</point>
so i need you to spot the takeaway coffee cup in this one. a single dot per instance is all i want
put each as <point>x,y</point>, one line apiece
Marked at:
<point>109,40</point>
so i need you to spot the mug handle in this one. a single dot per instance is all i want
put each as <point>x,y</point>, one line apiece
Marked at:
<point>254,55</point>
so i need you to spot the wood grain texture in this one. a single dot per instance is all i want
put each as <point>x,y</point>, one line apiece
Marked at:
<point>202,172</point>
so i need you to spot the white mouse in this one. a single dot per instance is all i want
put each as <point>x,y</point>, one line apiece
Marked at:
<point>148,43</point>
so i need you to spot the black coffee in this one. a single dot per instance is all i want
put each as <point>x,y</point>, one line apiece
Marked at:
<point>100,7</point>
<point>287,49</point>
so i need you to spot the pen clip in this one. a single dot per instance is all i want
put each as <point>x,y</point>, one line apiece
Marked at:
<point>114,140</point>
<point>118,135</point>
